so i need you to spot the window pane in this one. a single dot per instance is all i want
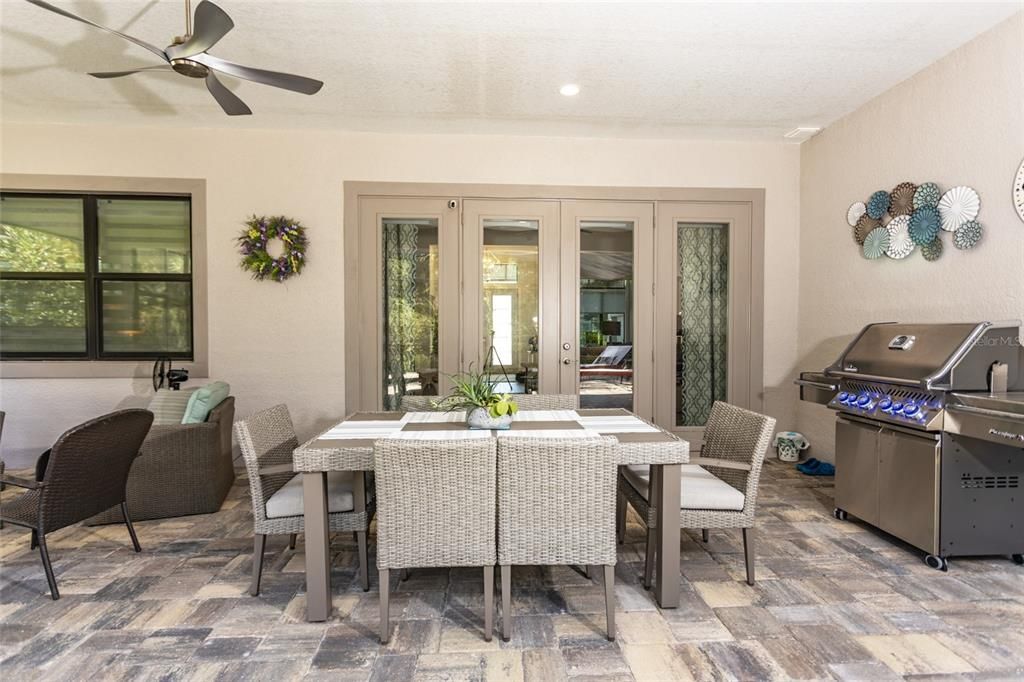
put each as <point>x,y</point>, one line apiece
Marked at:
<point>147,317</point>
<point>41,234</point>
<point>144,235</point>
<point>511,289</point>
<point>606,313</point>
<point>42,316</point>
<point>410,308</point>
<point>703,321</point>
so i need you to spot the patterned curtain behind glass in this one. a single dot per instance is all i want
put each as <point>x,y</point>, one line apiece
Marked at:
<point>701,341</point>
<point>400,263</point>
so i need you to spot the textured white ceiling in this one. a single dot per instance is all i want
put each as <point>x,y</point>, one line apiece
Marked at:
<point>697,70</point>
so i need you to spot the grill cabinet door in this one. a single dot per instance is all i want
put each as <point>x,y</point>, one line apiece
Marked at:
<point>857,470</point>
<point>908,495</point>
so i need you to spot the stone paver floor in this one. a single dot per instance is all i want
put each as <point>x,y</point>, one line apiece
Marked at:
<point>833,600</point>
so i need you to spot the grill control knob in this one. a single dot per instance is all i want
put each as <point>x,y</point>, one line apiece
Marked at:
<point>897,407</point>
<point>910,409</point>
<point>843,396</point>
<point>885,403</point>
<point>863,400</point>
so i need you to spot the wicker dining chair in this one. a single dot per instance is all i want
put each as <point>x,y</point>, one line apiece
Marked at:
<point>546,401</point>
<point>718,489</point>
<point>556,506</point>
<point>437,509</point>
<point>267,440</point>
<point>83,474</point>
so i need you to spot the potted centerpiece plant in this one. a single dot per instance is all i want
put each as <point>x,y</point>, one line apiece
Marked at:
<point>485,408</point>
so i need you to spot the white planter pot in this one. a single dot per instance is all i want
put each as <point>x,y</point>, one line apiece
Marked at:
<point>480,418</point>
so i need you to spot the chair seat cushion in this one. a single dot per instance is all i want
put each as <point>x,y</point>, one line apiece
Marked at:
<point>698,488</point>
<point>288,500</point>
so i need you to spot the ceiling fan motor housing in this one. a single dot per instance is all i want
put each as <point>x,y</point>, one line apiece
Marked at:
<point>190,68</point>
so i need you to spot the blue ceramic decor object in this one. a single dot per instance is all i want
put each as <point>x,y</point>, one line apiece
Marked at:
<point>924,224</point>
<point>878,204</point>
<point>876,243</point>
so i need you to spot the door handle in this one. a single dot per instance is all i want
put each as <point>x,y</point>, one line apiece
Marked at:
<point>566,361</point>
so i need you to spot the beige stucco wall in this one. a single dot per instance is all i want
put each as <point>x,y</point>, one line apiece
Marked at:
<point>958,122</point>
<point>283,343</point>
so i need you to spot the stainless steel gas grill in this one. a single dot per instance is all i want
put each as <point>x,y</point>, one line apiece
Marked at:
<point>929,438</point>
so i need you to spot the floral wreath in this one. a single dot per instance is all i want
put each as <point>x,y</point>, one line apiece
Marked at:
<point>252,244</point>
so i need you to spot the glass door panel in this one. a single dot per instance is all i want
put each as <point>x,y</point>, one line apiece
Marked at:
<point>511,302</point>
<point>607,266</point>
<point>410,344</point>
<point>606,313</point>
<point>407,306</point>
<point>510,293</point>
<point>702,324</point>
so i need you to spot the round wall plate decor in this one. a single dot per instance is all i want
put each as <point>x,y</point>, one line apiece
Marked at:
<point>927,194</point>
<point>932,250</point>
<point>900,243</point>
<point>924,224</point>
<point>863,227</point>
<point>901,199</point>
<point>1018,191</point>
<point>856,210</point>
<point>876,243</point>
<point>957,206</point>
<point>878,204</point>
<point>968,235</point>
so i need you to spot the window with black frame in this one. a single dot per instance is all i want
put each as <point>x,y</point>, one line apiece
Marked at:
<point>92,277</point>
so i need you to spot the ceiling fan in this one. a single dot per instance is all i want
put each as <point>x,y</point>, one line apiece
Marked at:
<point>188,56</point>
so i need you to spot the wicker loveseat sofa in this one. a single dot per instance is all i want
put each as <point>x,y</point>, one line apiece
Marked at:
<point>181,469</point>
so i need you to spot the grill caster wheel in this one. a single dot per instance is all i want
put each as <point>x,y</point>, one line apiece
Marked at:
<point>839,514</point>
<point>1018,559</point>
<point>936,562</point>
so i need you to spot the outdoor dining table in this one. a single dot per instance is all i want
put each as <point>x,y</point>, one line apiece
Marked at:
<point>348,446</point>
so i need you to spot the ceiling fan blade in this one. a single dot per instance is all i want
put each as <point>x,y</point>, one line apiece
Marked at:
<point>211,24</point>
<point>288,81</point>
<point>227,100</point>
<point>118,74</point>
<point>141,43</point>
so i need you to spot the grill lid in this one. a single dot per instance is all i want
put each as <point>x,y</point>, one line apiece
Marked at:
<point>945,356</point>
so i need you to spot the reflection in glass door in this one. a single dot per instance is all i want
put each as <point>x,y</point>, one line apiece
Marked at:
<point>511,288</point>
<point>606,313</point>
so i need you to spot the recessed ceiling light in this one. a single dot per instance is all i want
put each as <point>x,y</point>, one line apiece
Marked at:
<point>570,89</point>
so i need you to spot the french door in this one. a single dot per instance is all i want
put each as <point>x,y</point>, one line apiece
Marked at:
<point>645,305</point>
<point>708,327</point>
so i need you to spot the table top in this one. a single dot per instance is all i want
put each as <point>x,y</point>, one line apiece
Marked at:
<point>348,446</point>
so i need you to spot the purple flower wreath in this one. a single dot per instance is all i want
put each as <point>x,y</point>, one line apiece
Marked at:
<point>252,244</point>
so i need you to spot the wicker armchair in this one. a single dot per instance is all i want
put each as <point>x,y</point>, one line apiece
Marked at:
<point>437,508</point>
<point>267,440</point>
<point>82,474</point>
<point>182,469</point>
<point>718,489</point>
<point>556,505</point>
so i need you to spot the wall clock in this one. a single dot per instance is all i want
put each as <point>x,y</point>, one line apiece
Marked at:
<point>1018,191</point>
